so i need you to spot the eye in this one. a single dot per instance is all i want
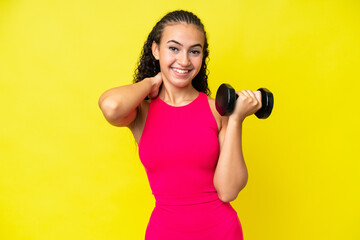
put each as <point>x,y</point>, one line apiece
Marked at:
<point>195,52</point>
<point>174,49</point>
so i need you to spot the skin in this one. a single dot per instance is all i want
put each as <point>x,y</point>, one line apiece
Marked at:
<point>180,56</point>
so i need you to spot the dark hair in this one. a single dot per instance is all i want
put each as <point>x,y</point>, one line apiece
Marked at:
<point>148,66</point>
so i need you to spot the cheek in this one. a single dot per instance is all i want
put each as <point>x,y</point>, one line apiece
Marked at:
<point>166,60</point>
<point>198,63</point>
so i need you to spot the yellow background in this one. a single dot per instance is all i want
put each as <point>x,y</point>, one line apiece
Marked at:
<point>65,173</point>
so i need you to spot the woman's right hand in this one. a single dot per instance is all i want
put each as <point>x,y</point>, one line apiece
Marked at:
<point>156,82</point>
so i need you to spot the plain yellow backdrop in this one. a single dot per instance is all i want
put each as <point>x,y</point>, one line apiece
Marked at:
<point>65,173</point>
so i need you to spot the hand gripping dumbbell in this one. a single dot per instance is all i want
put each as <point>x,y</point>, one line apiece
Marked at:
<point>226,98</point>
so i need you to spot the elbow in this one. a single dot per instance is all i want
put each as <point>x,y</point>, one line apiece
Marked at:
<point>111,111</point>
<point>232,195</point>
<point>109,108</point>
<point>115,114</point>
<point>227,198</point>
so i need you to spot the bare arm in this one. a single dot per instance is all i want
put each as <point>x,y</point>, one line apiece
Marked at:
<point>231,174</point>
<point>119,105</point>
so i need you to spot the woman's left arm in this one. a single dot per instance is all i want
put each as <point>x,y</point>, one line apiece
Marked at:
<point>231,174</point>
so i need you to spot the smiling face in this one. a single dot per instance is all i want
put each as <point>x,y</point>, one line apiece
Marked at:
<point>180,53</point>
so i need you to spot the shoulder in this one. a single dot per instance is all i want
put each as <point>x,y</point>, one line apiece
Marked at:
<point>220,120</point>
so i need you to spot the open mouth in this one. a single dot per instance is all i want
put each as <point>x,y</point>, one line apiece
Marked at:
<point>181,72</point>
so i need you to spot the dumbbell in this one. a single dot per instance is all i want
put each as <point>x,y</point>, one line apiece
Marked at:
<point>226,98</point>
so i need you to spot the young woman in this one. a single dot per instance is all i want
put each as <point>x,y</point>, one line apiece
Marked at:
<point>192,156</point>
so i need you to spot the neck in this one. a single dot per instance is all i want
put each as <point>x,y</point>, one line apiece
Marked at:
<point>178,96</point>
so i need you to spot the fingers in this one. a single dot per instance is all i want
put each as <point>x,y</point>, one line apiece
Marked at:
<point>158,75</point>
<point>250,95</point>
<point>256,96</point>
<point>248,102</point>
<point>156,82</point>
<point>158,79</point>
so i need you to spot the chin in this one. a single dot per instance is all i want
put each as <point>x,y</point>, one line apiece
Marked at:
<point>181,83</point>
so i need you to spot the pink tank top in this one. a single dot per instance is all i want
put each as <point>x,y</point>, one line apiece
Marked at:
<point>179,149</point>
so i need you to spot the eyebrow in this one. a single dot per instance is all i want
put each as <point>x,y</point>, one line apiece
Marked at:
<point>196,45</point>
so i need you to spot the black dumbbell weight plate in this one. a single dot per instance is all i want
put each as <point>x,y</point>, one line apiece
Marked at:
<point>267,101</point>
<point>225,99</point>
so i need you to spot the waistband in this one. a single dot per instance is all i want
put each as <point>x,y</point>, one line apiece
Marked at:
<point>185,199</point>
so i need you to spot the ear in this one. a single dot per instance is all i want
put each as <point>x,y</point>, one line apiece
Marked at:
<point>155,50</point>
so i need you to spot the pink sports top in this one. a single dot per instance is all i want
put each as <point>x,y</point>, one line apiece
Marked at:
<point>179,149</point>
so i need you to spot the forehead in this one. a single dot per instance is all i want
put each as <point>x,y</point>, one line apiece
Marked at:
<point>184,33</point>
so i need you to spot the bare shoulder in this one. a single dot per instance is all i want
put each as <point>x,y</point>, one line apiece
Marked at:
<point>221,121</point>
<point>137,126</point>
<point>217,116</point>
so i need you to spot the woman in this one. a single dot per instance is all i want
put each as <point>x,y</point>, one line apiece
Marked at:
<point>192,155</point>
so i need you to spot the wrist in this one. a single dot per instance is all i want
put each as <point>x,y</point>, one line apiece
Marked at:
<point>149,83</point>
<point>237,120</point>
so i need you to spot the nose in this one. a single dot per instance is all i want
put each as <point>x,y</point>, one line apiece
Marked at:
<point>184,59</point>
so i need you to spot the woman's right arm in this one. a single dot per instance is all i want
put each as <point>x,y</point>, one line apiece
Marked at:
<point>119,105</point>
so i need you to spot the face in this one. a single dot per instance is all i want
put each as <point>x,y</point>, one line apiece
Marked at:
<point>180,53</point>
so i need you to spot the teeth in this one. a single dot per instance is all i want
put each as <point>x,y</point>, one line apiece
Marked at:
<point>180,71</point>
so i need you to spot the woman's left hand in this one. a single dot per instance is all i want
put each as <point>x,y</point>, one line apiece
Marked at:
<point>248,103</point>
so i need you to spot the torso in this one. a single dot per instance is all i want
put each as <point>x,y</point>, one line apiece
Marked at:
<point>138,126</point>
<point>179,149</point>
